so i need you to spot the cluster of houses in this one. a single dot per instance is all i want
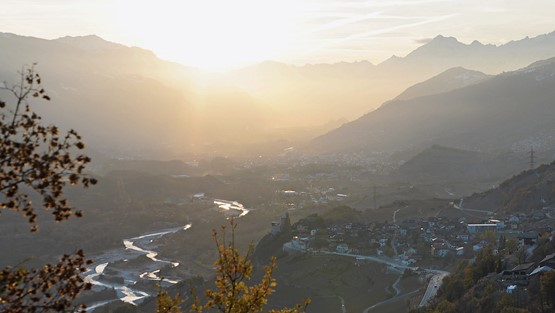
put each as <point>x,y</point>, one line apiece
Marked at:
<point>314,196</point>
<point>419,240</point>
<point>412,240</point>
<point>521,274</point>
<point>353,238</point>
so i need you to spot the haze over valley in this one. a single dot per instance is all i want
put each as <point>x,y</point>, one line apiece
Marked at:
<point>145,104</point>
<point>388,159</point>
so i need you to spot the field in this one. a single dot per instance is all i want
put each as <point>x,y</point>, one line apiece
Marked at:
<point>332,281</point>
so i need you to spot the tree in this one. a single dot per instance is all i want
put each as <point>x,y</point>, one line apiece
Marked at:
<point>511,245</point>
<point>502,243</point>
<point>36,156</point>
<point>489,236</point>
<point>522,254</point>
<point>232,294</point>
<point>445,307</point>
<point>51,288</point>
<point>167,304</point>
<point>38,160</point>
<point>469,277</point>
<point>547,287</point>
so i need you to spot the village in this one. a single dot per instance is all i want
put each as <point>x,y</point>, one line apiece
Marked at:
<point>434,242</point>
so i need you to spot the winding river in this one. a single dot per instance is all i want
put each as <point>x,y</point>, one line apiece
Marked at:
<point>121,269</point>
<point>133,248</point>
<point>232,208</point>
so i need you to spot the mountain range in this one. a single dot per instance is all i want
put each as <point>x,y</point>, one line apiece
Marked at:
<point>349,90</point>
<point>509,112</point>
<point>126,101</point>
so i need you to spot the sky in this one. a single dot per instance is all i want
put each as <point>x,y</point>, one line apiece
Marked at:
<point>221,34</point>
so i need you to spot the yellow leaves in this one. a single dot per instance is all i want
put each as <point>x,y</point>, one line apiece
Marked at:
<point>167,304</point>
<point>232,293</point>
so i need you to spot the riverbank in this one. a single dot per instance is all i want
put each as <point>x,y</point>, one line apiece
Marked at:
<point>123,269</point>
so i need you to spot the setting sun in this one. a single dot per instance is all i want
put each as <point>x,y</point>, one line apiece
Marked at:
<point>209,34</point>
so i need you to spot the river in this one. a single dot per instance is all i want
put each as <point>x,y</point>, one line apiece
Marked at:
<point>231,208</point>
<point>128,276</point>
<point>122,268</point>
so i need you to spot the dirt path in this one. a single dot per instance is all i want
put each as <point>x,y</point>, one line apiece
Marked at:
<point>396,286</point>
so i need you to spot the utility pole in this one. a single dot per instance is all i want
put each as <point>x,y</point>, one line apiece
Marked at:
<point>375,207</point>
<point>532,161</point>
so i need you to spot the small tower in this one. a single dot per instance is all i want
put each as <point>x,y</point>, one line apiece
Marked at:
<point>276,228</point>
<point>285,224</point>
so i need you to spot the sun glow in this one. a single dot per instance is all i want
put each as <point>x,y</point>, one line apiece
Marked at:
<point>211,34</point>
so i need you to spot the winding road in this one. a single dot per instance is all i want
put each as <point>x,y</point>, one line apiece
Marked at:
<point>460,208</point>
<point>433,285</point>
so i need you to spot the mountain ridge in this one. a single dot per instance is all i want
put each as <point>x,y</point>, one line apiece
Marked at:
<point>451,79</point>
<point>98,82</point>
<point>492,107</point>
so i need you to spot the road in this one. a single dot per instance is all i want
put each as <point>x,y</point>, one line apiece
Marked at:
<point>433,286</point>
<point>396,286</point>
<point>460,208</point>
<point>382,260</point>
<point>388,261</point>
<point>393,245</point>
<point>343,308</point>
<point>394,216</point>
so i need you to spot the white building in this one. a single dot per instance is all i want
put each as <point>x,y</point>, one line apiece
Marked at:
<point>481,228</point>
<point>342,248</point>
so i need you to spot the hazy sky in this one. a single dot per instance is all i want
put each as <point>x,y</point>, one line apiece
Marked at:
<point>228,33</point>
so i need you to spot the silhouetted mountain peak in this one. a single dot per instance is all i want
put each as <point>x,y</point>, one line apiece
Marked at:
<point>440,46</point>
<point>90,42</point>
<point>440,39</point>
<point>442,42</point>
<point>6,35</point>
<point>451,79</point>
<point>91,37</point>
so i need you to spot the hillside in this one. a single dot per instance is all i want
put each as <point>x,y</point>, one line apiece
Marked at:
<point>530,190</point>
<point>509,112</point>
<point>442,164</point>
<point>451,79</point>
<point>126,101</point>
